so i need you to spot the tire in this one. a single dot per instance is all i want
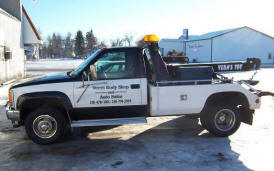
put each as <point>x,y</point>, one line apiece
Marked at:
<point>221,119</point>
<point>46,125</point>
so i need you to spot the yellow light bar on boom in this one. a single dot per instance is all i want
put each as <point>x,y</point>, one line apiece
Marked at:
<point>150,38</point>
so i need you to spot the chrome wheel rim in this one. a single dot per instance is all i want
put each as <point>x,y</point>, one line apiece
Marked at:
<point>44,126</point>
<point>225,119</point>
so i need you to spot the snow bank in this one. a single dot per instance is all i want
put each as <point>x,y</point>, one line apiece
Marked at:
<point>4,94</point>
<point>60,64</point>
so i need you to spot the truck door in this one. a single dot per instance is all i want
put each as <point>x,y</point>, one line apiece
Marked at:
<point>118,91</point>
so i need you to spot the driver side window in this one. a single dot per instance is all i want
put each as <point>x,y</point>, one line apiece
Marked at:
<point>112,65</point>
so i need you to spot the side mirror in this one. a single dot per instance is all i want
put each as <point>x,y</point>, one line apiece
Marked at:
<point>93,72</point>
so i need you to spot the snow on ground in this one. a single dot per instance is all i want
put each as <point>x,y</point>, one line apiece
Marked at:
<point>165,143</point>
<point>264,75</point>
<point>53,64</point>
<point>4,89</point>
<point>4,94</point>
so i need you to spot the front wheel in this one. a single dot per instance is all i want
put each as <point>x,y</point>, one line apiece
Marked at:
<point>221,119</point>
<point>45,125</point>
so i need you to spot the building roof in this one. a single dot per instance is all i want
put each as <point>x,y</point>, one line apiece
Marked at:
<point>31,23</point>
<point>12,7</point>
<point>219,33</point>
<point>2,11</point>
<point>172,40</point>
<point>211,34</point>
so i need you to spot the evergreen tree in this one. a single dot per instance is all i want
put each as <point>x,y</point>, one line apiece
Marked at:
<point>91,40</point>
<point>44,50</point>
<point>68,46</point>
<point>79,44</point>
<point>55,46</point>
<point>50,47</point>
<point>58,46</point>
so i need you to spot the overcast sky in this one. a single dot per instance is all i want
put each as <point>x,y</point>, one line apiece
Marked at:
<point>166,18</point>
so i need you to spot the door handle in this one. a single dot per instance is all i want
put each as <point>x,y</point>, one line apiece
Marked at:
<point>135,86</point>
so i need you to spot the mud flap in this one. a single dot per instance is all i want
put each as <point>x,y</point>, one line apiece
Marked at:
<point>247,116</point>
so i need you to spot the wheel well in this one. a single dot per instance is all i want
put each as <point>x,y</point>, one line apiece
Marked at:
<point>32,104</point>
<point>238,99</point>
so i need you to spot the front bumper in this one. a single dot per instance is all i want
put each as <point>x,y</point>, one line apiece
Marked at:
<point>13,115</point>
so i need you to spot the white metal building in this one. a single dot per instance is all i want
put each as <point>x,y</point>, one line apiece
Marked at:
<point>168,45</point>
<point>226,45</point>
<point>16,32</point>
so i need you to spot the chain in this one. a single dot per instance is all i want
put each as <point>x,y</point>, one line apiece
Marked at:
<point>253,75</point>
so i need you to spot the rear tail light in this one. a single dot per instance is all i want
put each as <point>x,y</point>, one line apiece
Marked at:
<point>257,101</point>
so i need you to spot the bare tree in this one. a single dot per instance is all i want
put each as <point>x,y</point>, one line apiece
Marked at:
<point>128,38</point>
<point>117,42</point>
<point>102,44</point>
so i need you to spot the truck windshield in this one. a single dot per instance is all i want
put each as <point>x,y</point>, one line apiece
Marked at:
<point>83,65</point>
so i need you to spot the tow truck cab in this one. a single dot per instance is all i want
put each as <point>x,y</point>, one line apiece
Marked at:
<point>125,85</point>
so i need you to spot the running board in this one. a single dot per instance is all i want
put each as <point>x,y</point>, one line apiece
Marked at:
<point>102,122</point>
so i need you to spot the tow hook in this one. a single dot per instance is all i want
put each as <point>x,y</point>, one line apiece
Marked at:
<point>265,93</point>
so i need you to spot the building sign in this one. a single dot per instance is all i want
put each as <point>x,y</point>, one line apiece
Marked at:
<point>195,47</point>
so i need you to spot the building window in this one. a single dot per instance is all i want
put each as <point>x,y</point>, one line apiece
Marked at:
<point>270,56</point>
<point>2,53</point>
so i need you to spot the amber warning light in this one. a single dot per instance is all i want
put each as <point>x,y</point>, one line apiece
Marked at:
<point>150,38</point>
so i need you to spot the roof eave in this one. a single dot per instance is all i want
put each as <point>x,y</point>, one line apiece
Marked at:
<point>32,25</point>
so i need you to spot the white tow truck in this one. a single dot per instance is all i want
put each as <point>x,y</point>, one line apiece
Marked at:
<point>116,86</point>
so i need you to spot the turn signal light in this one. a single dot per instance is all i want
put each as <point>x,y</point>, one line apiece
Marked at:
<point>10,96</point>
<point>150,38</point>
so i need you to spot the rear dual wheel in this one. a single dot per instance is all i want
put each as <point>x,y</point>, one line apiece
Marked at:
<point>221,119</point>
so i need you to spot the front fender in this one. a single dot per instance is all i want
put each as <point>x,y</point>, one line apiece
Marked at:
<point>61,97</point>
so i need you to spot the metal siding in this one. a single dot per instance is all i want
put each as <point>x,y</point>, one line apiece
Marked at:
<point>11,38</point>
<point>167,46</point>
<point>241,44</point>
<point>199,50</point>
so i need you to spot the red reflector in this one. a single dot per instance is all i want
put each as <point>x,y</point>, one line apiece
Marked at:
<point>257,101</point>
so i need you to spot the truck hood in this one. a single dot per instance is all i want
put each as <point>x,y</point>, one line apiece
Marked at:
<point>56,78</point>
